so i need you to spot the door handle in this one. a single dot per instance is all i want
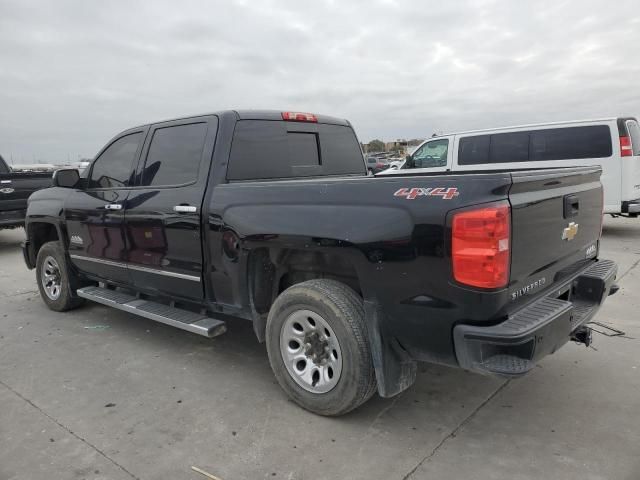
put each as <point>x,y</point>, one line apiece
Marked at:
<point>113,206</point>
<point>571,206</point>
<point>185,209</point>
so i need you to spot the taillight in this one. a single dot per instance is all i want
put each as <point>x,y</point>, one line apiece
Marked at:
<point>299,117</point>
<point>480,247</point>
<point>625,147</point>
<point>379,165</point>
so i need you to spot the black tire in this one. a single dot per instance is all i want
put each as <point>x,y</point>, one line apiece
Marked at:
<point>343,310</point>
<point>65,299</point>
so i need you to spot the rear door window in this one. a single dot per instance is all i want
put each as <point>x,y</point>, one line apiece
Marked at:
<point>634,133</point>
<point>509,147</point>
<point>264,149</point>
<point>174,155</point>
<point>114,167</point>
<point>474,150</point>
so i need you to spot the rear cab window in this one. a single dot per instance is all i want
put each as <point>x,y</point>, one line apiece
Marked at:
<point>264,149</point>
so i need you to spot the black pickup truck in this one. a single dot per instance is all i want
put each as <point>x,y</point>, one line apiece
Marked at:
<point>349,279</point>
<point>15,188</point>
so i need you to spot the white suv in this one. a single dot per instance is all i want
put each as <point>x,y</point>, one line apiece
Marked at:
<point>612,143</point>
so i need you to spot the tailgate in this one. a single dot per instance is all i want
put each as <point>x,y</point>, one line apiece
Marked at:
<point>556,224</point>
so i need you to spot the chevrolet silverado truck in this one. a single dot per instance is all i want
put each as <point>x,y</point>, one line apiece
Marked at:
<point>15,188</point>
<point>349,279</point>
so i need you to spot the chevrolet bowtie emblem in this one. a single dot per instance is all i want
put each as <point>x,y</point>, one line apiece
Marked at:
<point>570,232</point>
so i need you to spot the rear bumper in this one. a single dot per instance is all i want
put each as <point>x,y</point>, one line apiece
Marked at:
<point>632,206</point>
<point>513,347</point>
<point>12,218</point>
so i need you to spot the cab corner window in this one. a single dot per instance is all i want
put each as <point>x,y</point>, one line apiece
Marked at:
<point>174,155</point>
<point>432,154</point>
<point>114,167</point>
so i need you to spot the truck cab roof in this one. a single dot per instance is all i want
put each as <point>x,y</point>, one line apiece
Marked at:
<point>254,115</point>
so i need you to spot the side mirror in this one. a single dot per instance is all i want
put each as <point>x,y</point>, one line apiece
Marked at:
<point>408,162</point>
<point>66,178</point>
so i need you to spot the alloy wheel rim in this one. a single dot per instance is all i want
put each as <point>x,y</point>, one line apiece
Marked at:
<point>311,351</point>
<point>51,281</point>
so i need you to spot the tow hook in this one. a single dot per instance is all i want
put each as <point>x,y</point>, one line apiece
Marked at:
<point>582,335</point>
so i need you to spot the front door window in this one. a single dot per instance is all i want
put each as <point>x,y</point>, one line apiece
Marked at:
<point>431,154</point>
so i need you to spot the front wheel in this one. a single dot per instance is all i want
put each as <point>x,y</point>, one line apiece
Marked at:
<point>318,347</point>
<point>53,278</point>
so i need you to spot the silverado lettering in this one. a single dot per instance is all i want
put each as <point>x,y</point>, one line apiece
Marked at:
<point>528,288</point>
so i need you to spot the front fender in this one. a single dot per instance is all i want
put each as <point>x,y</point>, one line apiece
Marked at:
<point>47,205</point>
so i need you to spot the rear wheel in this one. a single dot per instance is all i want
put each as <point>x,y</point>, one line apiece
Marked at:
<point>318,348</point>
<point>53,278</point>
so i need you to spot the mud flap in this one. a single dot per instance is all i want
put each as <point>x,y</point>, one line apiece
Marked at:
<point>395,369</point>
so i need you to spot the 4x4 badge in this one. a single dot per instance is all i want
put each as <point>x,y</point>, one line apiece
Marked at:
<point>413,193</point>
<point>570,232</point>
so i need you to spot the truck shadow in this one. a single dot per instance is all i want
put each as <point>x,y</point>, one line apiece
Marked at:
<point>440,398</point>
<point>621,228</point>
<point>620,231</point>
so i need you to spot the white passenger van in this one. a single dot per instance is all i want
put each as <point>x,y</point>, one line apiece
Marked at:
<point>613,143</point>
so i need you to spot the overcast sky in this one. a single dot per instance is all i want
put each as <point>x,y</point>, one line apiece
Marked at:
<point>74,73</point>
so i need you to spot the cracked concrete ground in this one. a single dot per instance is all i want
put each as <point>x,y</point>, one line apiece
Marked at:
<point>100,394</point>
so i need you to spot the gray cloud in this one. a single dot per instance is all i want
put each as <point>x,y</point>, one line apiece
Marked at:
<point>72,73</point>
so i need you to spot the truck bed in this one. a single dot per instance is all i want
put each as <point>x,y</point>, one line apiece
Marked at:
<point>399,241</point>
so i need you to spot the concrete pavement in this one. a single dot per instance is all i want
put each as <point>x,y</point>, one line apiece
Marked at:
<point>100,394</point>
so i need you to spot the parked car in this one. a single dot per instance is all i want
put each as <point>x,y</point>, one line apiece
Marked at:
<point>15,188</point>
<point>613,144</point>
<point>349,279</point>
<point>396,164</point>
<point>377,163</point>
